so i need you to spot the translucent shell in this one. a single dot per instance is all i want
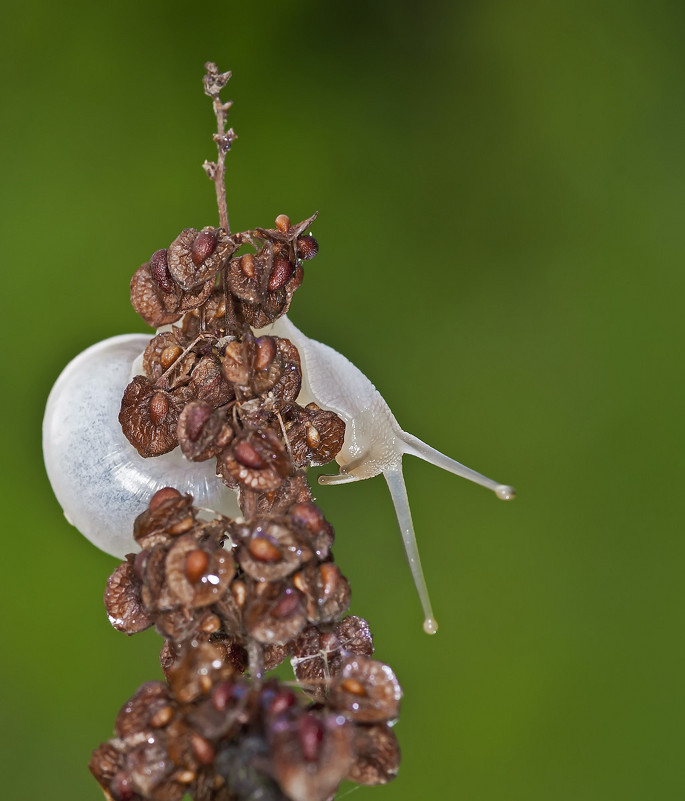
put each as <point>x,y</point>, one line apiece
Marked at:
<point>100,481</point>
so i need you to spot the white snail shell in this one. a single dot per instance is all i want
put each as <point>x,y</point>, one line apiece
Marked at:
<point>103,484</point>
<point>100,481</point>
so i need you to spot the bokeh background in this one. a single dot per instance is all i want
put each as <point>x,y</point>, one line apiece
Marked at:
<point>501,191</point>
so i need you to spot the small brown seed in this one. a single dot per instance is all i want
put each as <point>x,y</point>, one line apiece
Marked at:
<point>289,603</point>
<point>203,749</point>
<point>162,717</point>
<point>353,686</point>
<point>182,526</point>
<point>280,273</point>
<point>307,247</point>
<point>162,495</point>
<point>266,352</point>
<point>210,624</point>
<point>311,737</point>
<point>313,437</point>
<point>169,356</point>
<point>184,776</point>
<point>198,414</point>
<point>247,265</point>
<point>239,592</point>
<point>205,684</point>
<point>203,247</point>
<point>263,550</point>
<point>196,564</point>
<point>307,514</point>
<point>283,223</point>
<point>299,582</point>
<point>159,270</point>
<point>330,577</point>
<point>159,408</point>
<point>247,456</point>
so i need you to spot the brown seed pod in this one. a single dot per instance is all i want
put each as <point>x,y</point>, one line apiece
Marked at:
<point>377,755</point>
<point>194,298</point>
<point>186,586</point>
<point>311,754</point>
<point>124,603</point>
<point>318,654</point>
<point>274,613</point>
<point>327,591</point>
<point>366,690</point>
<point>154,305</point>
<point>208,384</point>
<point>148,417</point>
<point>257,460</point>
<point>169,514</point>
<point>315,435</point>
<point>196,257</point>
<point>202,432</point>
<point>269,550</point>
<point>306,247</point>
<point>155,362</point>
<point>135,715</point>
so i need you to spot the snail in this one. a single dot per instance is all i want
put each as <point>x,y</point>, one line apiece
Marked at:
<point>374,442</point>
<point>102,484</point>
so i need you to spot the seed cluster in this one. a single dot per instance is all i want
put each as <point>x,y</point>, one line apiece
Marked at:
<point>234,598</point>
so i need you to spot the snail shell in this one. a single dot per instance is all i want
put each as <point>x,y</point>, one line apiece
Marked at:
<point>100,481</point>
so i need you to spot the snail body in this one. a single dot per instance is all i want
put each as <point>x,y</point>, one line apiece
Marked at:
<point>374,442</point>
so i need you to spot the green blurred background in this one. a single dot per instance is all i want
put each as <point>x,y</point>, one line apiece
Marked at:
<point>501,192</point>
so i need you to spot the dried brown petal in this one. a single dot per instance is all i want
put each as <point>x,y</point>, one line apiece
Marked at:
<point>135,715</point>
<point>379,699</point>
<point>148,418</point>
<point>104,763</point>
<point>209,385</point>
<point>195,297</point>
<point>154,305</point>
<point>124,603</point>
<point>377,755</point>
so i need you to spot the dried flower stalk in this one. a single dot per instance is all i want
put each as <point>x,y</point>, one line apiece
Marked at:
<point>233,598</point>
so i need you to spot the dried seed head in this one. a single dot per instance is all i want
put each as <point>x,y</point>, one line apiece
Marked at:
<point>148,418</point>
<point>124,603</point>
<point>366,691</point>
<point>192,263</point>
